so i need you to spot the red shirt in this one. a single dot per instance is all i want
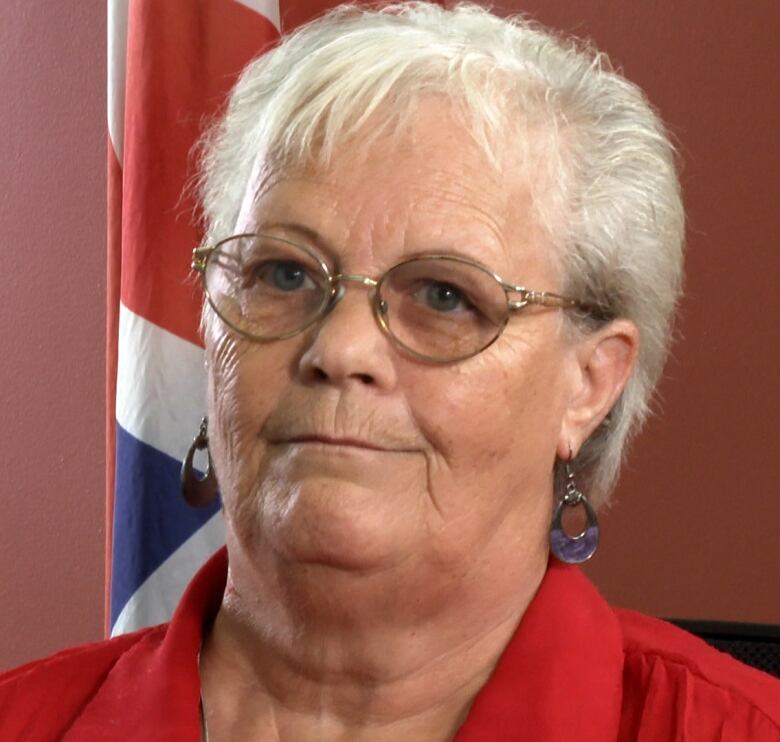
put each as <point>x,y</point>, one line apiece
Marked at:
<point>576,670</point>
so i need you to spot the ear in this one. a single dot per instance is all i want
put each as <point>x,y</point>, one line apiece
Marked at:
<point>602,364</point>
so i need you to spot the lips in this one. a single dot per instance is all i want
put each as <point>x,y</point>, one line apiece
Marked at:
<point>330,420</point>
<point>341,441</point>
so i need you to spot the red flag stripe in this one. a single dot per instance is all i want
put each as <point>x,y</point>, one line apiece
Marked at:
<point>183,57</point>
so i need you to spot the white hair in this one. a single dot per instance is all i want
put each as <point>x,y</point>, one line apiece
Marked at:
<point>615,215</point>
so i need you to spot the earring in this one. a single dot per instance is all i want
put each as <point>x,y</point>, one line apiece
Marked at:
<point>579,548</point>
<point>198,492</point>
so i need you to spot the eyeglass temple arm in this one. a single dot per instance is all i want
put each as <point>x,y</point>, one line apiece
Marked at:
<point>545,299</point>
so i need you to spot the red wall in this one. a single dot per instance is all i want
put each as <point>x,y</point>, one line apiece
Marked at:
<point>52,248</point>
<point>693,530</point>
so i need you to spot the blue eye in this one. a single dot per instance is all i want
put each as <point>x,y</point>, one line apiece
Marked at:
<point>288,275</point>
<point>285,275</point>
<point>443,297</point>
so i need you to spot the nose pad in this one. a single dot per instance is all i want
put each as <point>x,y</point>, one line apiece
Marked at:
<point>365,282</point>
<point>337,297</point>
<point>335,300</point>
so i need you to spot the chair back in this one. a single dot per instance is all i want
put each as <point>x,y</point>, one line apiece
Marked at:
<point>757,645</point>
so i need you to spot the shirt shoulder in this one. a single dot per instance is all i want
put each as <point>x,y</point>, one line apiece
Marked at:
<point>62,685</point>
<point>675,686</point>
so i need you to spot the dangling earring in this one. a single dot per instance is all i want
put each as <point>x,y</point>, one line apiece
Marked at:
<point>198,492</point>
<point>579,548</point>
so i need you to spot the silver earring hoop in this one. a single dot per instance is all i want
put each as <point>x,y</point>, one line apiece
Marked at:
<point>197,491</point>
<point>581,547</point>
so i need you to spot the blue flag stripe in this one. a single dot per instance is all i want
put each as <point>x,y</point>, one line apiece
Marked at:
<point>151,520</point>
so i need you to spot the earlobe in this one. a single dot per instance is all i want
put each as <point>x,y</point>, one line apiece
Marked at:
<point>605,360</point>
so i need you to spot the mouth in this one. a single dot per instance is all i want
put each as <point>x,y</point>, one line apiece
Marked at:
<point>340,442</point>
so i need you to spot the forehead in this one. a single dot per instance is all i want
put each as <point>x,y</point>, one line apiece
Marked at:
<point>426,188</point>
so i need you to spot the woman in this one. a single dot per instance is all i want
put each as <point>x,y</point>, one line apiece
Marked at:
<point>443,254</point>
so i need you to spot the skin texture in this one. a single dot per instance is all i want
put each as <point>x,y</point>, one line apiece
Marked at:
<point>379,568</point>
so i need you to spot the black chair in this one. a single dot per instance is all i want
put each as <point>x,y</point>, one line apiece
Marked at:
<point>757,645</point>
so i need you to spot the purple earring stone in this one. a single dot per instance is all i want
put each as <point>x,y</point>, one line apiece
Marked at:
<point>574,549</point>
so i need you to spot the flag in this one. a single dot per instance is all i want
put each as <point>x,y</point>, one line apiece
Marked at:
<point>171,65</point>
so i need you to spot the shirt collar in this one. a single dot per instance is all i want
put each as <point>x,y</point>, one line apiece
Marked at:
<point>560,677</point>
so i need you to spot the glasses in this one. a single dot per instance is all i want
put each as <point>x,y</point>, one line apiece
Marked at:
<point>436,308</point>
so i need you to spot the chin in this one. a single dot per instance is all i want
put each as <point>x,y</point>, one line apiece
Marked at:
<point>340,526</point>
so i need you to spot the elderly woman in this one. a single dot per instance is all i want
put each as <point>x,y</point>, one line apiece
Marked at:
<point>443,254</point>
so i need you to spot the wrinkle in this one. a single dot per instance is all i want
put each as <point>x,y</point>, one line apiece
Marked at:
<point>431,490</point>
<point>336,413</point>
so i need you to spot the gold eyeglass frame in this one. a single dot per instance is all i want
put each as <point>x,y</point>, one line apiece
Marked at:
<point>527,297</point>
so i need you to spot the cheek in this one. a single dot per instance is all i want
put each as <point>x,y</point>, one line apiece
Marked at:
<point>245,379</point>
<point>493,422</point>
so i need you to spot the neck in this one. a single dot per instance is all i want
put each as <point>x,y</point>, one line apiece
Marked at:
<point>310,652</point>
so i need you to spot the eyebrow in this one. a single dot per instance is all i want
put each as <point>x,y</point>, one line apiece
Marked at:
<point>301,230</point>
<point>324,245</point>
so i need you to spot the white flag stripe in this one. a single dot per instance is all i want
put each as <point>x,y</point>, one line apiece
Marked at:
<point>117,64</point>
<point>161,385</point>
<point>155,601</point>
<point>267,8</point>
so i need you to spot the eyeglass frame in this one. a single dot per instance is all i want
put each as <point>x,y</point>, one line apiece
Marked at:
<point>528,297</point>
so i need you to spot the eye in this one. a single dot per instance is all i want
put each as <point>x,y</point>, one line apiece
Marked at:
<point>285,275</point>
<point>443,297</point>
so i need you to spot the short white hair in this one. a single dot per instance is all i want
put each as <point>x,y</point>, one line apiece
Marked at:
<point>615,216</point>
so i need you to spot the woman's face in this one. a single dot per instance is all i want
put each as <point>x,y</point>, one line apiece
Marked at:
<point>334,448</point>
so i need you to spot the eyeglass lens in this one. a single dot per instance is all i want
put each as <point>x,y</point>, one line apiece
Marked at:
<point>440,308</point>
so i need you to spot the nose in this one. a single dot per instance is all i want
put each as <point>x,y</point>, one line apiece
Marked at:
<point>347,345</point>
